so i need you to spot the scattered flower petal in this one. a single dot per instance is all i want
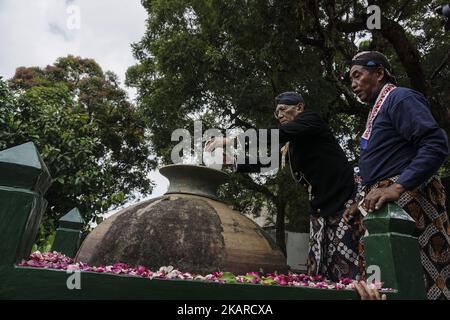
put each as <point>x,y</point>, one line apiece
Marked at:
<point>57,260</point>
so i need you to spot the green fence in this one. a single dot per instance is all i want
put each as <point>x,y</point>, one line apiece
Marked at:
<point>24,179</point>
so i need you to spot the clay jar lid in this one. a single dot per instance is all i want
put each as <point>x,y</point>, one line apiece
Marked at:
<point>192,179</point>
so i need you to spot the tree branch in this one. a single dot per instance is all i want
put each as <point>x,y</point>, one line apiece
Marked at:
<point>441,66</point>
<point>408,54</point>
<point>310,41</point>
<point>398,13</point>
<point>356,25</point>
<point>252,185</point>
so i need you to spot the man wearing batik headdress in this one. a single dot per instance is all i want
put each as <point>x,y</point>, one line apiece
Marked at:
<point>402,149</point>
<point>316,161</point>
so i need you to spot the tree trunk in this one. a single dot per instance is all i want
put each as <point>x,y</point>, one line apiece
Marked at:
<point>408,54</point>
<point>280,234</point>
<point>410,58</point>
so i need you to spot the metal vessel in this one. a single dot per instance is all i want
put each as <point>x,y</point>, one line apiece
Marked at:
<point>188,228</point>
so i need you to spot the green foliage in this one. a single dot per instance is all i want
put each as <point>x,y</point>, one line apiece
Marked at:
<point>45,238</point>
<point>224,61</point>
<point>228,277</point>
<point>275,192</point>
<point>91,138</point>
<point>229,60</point>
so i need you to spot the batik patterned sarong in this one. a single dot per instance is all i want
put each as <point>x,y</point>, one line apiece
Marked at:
<point>426,205</point>
<point>335,248</point>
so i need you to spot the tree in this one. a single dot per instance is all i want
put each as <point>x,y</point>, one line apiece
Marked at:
<point>91,138</point>
<point>225,61</point>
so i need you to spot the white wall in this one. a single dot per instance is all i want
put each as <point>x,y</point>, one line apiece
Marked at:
<point>297,245</point>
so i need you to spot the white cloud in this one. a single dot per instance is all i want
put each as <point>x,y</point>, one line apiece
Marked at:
<point>36,33</point>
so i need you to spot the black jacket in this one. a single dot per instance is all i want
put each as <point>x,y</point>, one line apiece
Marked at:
<point>315,152</point>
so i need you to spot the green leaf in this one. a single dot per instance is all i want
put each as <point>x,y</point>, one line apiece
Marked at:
<point>268,281</point>
<point>228,277</point>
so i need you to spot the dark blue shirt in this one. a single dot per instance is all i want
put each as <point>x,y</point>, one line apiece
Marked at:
<point>405,141</point>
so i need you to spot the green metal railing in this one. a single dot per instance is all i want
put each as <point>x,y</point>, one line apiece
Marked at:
<point>24,179</point>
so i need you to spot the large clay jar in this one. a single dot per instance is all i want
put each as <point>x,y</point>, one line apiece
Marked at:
<point>187,227</point>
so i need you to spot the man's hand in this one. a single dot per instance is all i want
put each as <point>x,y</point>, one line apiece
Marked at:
<point>377,197</point>
<point>216,142</point>
<point>350,213</point>
<point>367,293</point>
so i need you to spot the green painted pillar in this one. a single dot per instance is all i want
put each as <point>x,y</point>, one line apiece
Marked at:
<point>391,249</point>
<point>24,179</point>
<point>68,235</point>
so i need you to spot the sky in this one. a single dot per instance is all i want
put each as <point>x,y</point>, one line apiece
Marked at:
<point>37,32</point>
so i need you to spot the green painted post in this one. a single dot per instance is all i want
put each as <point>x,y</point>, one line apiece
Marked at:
<point>391,249</point>
<point>68,234</point>
<point>24,179</point>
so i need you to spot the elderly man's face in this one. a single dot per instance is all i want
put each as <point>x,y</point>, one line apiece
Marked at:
<point>287,113</point>
<point>364,83</point>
